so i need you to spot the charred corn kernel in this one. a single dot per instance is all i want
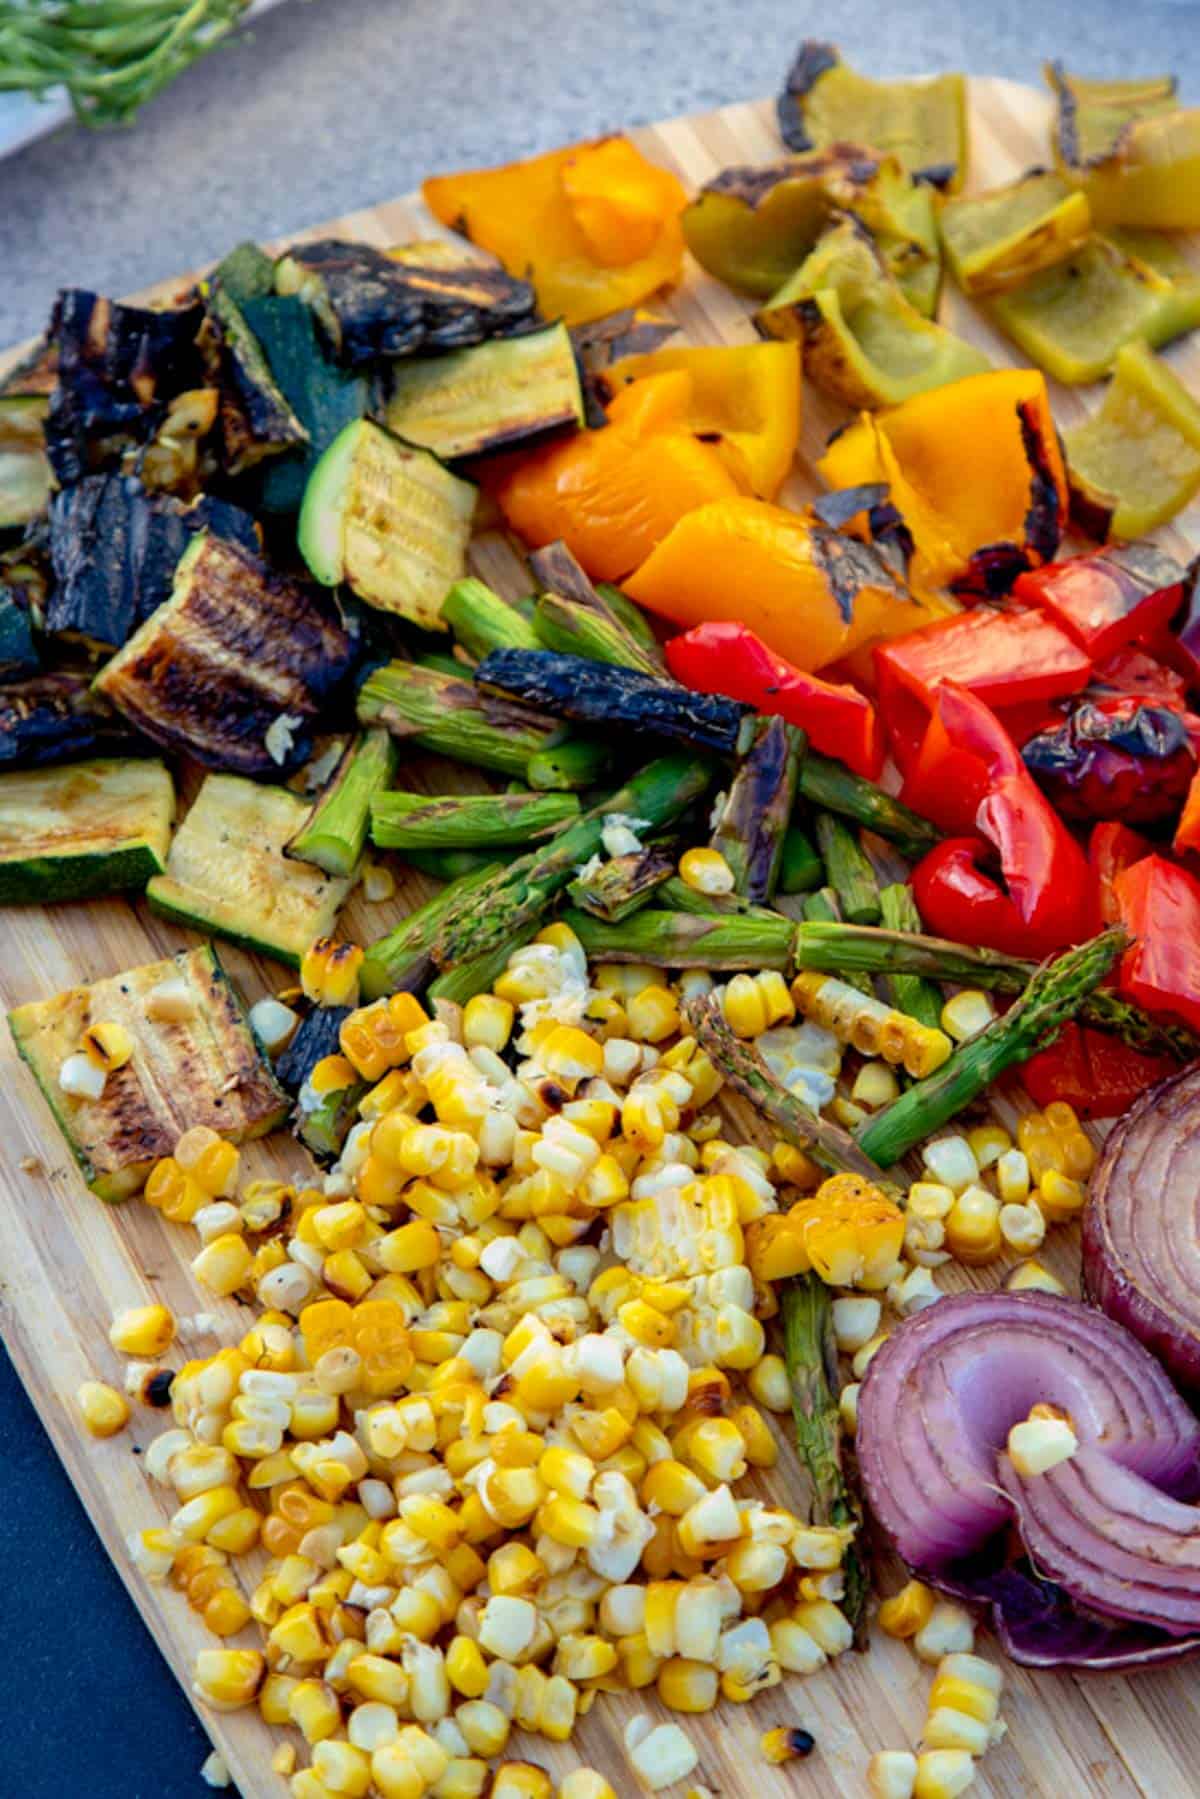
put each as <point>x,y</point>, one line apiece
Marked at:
<point>788,1742</point>
<point>104,1411</point>
<point>892,1774</point>
<point>943,1774</point>
<point>485,1727</point>
<point>224,1264</point>
<point>329,972</point>
<point>487,1022</point>
<point>1022,1227</point>
<point>569,1054</point>
<point>752,1003</point>
<point>662,1756</point>
<point>948,1630</point>
<point>706,871</point>
<point>768,1384</point>
<point>687,1686</point>
<point>907,1611</point>
<point>521,1780</point>
<point>227,1679</point>
<point>144,1331</point>
<point>967,1013</point>
<point>1041,1441</point>
<point>466,1669</point>
<point>652,1014</point>
<point>848,1232</point>
<point>973,1233</point>
<point>872,1028</point>
<point>1032,1277</point>
<point>1059,1197</point>
<point>585,1783</point>
<point>107,1045</point>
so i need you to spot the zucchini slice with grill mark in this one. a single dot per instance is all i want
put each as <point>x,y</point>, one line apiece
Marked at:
<point>323,396</point>
<point>334,833</point>
<point>233,668</point>
<point>227,873</point>
<point>204,1068</point>
<point>77,832</point>
<point>387,518</point>
<point>57,718</point>
<point>490,397</point>
<point>24,466</point>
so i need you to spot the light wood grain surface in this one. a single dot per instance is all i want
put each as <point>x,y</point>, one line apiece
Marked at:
<point>68,1262</point>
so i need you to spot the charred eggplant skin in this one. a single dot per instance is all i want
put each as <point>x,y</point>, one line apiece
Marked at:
<point>597,693</point>
<point>56,718</point>
<point>372,306</point>
<point>256,420</point>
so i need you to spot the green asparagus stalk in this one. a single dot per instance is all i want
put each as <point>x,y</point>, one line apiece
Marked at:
<point>409,821</point>
<point>479,975</point>
<point>745,1071</point>
<point>334,833</point>
<point>562,577</point>
<point>449,715</point>
<point>801,869</point>
<point>835,948</point>
<point>850,873</point>
<point>1055,994</point>
<point>583,631</point>
<point>689,940</point>
<point>821,908</point>
<point>827,784</point>
<point>449,865</point>
<point>482,621</point>
<point>755,813</point>
<point>676,896</point>
<point>525,890</point>
<point>806,1307</point>
<point>630,614</point>
<point>908,992</point>
<point>565,767</point>
<point>439,663</point>
<point>622,885</point>
<point>402,957</point>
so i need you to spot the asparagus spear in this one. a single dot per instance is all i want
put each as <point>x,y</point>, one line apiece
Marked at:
<point>750,830</point>
<point>525,890</point>
<point>676,896</point>
<point>482,621</point>
<point>559,574</point>
<point>409,821</point>
<point>689,940</point>
<point>448,714</point>
<point>630,614</point>
<point>746,1072</point>
<point>623,885</point>
<point>800,868</point>
<point>401,958</point>
<point>821,908</point>
<point>827,784</point>
<point>579,630</point>
<point>449,865</point>
<point>908,992</point>
<point>438,663</point>
<point>1055,993</point>
<point>835,948</point>
<point>333,834</point>
<point>564,767</point>
<point>615,698</point>
<point>806,1306</point>
<point>850,873</point>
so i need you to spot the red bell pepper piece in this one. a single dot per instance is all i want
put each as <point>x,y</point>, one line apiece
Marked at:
<point>724,657</point>
<point>1112,848</point>
<point>973,765</point>
<point>1109,598</point>
<point>1187,831</point>
<point>1093,1071</point>
<point>1009,658</point>
<point>1159,905</point>
<point>1134,671</point>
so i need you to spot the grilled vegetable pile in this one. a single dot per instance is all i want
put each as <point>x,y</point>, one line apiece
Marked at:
<point>509,1358</point>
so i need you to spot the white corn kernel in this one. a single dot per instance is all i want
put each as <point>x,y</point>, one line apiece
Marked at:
<point>81,1079</point>
<point>948,1630</point>
<point>1023,1227</point>
<point>1039,1444</point>
<point>662,1757</point>
<point>914,1292</point>
<point>951,1162</point>
<point>967,1013</point>
<point>855,1321</point>
<point>892,1774</point>
<point>273,1023</point>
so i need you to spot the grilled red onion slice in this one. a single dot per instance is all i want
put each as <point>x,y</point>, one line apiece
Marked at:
<point>1141,1228</point>
<point>1110,1528</point>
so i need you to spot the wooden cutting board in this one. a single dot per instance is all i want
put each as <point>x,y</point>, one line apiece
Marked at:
<point>68,1262</point>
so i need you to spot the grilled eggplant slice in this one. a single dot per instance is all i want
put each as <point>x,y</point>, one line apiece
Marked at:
<point>374,305</point>
<point>24,466</point>
<point>390,520</point>
<point>333,835</point>
<point>117,366</point>
<point>490,397</point>
<point>204,1068</point>
<point>73,833</point>
<point>256,420</point>
<point>234,667</point>
<point>227,873</point>
<point>115,549</point>
<point>57,718</point>
<point>322,395</point>
<point>18,656</point>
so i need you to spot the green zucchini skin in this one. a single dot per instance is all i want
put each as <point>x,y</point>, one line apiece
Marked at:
<point>87,829</point>
<point>324,397</point>
<point>255,418</point>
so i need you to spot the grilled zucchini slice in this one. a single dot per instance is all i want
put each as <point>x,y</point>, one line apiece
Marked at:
<point>323,396</point>
<point>233,668</point>
<point>488,398</point>
<point>73,833</point>
<point>202,1068</point>
<point>24,467</point>
<point>390,520</point>
<point>227,874</point>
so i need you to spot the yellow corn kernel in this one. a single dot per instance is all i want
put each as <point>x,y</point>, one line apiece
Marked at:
<point>891,1774</point>
<point>485,1727</point>
<point>227,1679</point>
<point>487,1022</point>
<point>872,1028</point>
<point>329,972</point>
<point>645,1324</point>
<point>226,1613</point>
<point>314,1709</point>
<point>973,1232</point>
<point>172,1192</point>
<point>567,1471</point>
<point>1032,1277</point>
<point>943,1774</point>
<point>752,1003</point>
<point>761,1449</point>
<point>570,1055</point>
<point>514,1568</point>
<point>411,1247</point>
<point>786,1743</point>
<point>967,1013</point>
<point>346,1276</point>
<point>224,1264</point>
<point>757,1567</point>
<point>107,1045</point>
<point>466,1668</point>
<point>706,871</point>
<point>687,1686</point>
<point>584,1657</point>
<point>568,1521</point>
<point>143,1331</point>
<point>375,1677</point>
<point>585,1783</point>
<point>652,1015</point>
<point>907,1611</point>
<point>331,1074</point>
<point>521,1780</point>
<point>104,1411</point>
<point>1059,1197</point>
<point>670,1486</point>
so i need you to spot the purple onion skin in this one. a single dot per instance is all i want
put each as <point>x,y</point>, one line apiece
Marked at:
<point>933,1417</point>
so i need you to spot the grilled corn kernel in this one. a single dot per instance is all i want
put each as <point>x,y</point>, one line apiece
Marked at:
<point>687,1686</point>
<point>521,1780</point>
<point>107,1045</point>
<point>1041,1441</point>
<point>104,1411</point>
<point>706,871</point>
<point>907,1611</point>
<point>1059,1197</point>
<point>967,1013</point>
<point>143,1331</point>
<point>652,1014</point>
<point>224,1264</point>
<point>973,1232</point>
<point>1031,1277</point>
<point>329,972</point>
<point>227,1679</point>
<point>892,1774</point>
<point>943,1774</point>
<point>786,1743</point>
<point>585,1783</point>
<point>487,1022</point>
<point>948,1630</point>
<point>661,1756</point>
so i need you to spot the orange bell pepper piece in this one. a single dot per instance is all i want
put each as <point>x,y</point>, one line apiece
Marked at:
<point>594,226</point>
<point>612,495</point>
<point>809,592</point>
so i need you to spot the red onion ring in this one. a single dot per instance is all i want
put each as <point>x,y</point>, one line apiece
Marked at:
<point>1109,1527</point>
